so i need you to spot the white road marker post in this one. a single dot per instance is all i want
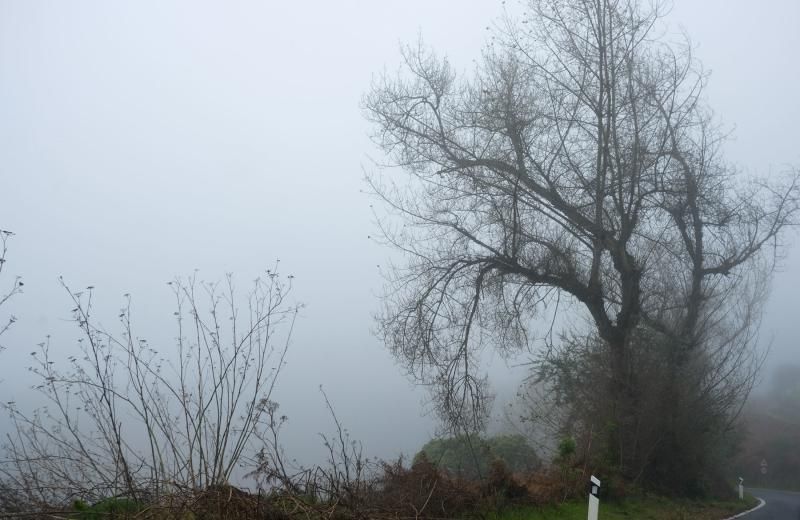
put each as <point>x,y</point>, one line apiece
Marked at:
<point>741,488</point>
<point>594,497</point>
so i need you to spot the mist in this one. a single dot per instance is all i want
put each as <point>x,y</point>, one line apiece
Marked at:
<point>146,140</point>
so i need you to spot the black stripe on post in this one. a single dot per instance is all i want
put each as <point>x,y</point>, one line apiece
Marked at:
<point>594,487</point>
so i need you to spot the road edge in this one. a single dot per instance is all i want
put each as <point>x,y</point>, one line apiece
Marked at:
<point>759,506</point>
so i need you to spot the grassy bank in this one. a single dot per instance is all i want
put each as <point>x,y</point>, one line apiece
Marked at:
<point>649,508</point>
<point>218,504</point>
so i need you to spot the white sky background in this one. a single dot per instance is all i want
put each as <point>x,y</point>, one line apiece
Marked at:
<point>140,140</point>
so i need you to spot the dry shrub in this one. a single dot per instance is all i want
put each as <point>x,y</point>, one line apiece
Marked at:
<point>502,487</point>
<point>422,491</point>
<point>215,503</point>
<point>556,484</point>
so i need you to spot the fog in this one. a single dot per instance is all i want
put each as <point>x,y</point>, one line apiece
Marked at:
<point>144,140</point>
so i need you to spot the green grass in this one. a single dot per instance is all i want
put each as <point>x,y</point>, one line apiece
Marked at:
<point>108,508</point>
<point>649,508</point>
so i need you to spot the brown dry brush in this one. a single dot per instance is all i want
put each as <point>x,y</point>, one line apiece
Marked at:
<point>388,491</point>
<point>424,491</point>
<point>348,486</point>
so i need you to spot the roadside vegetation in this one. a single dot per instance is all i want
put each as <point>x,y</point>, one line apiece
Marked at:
<point>395,491</point>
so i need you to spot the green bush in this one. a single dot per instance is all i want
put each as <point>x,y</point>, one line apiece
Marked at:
<point>566,449</point>
<point>472,457</point>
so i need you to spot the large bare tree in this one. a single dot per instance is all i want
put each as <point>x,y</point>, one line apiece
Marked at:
<point>578,164</point>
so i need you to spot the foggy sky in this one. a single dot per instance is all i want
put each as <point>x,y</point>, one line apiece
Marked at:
<point>143,140</point>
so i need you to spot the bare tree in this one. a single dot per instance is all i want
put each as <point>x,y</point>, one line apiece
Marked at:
<point>578,166</point>
<point>16,285</point>
<point>127,417</point>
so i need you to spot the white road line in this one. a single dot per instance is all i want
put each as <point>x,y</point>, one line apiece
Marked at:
<point>759,506</point>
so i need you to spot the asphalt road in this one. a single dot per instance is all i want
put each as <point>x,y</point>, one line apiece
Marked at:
<point>780,505</point>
